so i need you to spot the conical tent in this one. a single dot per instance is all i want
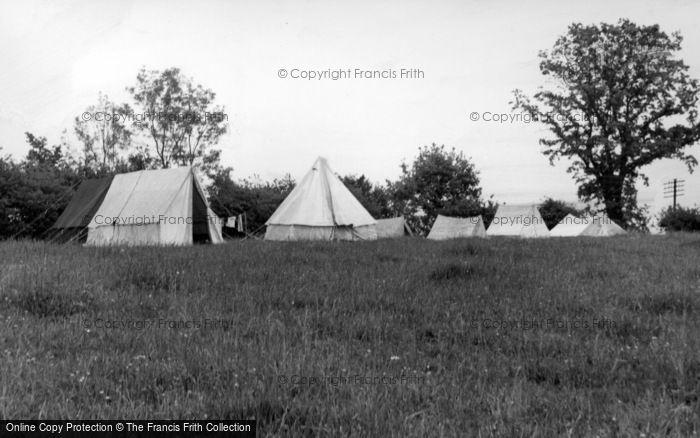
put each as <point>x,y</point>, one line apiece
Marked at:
<point>518,221</point>
<point>446,227</point>
<point>321,208</point>
<point>393,227</point>
<point>154,207</point>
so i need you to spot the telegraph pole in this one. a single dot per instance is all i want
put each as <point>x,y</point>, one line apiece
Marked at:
<point>674,189</point>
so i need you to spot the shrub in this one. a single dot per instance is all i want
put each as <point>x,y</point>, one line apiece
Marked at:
<point>680,219</point>
<point>554,211</point>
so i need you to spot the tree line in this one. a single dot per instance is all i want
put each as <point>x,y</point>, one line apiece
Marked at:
<point>621,96</point>
<point>438,181</point>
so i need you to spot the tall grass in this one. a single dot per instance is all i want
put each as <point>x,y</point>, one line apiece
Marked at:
<point>582,337</point>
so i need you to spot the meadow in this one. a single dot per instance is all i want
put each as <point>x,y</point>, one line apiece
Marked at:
<point>406,337</point>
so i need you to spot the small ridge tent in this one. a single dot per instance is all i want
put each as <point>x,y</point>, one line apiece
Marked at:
<point>394,227</point>
<point>321,208</point>
<point>518,221</point>
<point>569,226</point>
<point>72,223</point>
<point>597,226</point>
<point>154,207</point>
<point>446,227</point>
<point>602,226</point>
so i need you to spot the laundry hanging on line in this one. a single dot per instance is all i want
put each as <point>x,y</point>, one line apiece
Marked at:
<point>237,222</point>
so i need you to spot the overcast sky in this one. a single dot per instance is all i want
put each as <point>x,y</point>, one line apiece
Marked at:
<point>57,56</point>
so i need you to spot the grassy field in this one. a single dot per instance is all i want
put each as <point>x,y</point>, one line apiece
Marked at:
<point>573,337</point>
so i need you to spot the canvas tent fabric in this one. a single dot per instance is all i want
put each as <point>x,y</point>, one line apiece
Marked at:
<point>393,227</point>
<point>518,221</point>
<point>597,226</point>
<point>82,207</point>
<point>446,227</point>
<point>569,226</point>
<point>154,207</point>
<point>321,208</point>
<point>603,226</point>
<point>84,203</point>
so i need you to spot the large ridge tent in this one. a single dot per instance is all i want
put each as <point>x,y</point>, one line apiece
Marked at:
<point>597,226</point>
<point>72,223</point>
<point>518,221</point>
<point>321,208</point>
<point>393,227</point>
<point>154,207</point>
<point>446,227</point>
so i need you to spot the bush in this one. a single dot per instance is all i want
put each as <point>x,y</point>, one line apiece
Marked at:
<point>680,219</point>
<point>554,211</point>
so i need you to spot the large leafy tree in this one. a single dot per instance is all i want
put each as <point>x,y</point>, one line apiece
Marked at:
<point>617,100</point>
<point>439,181</point>
<point>178,116</point>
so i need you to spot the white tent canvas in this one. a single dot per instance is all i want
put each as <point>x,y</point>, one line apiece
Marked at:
<point>518,221</point>
<point>393,227</point>
<point>446,227</point>
<point>603,226</point>
<point>321,208</point>
<point>154,207</point>
<point>569,226</point>
<point>598,226</point>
